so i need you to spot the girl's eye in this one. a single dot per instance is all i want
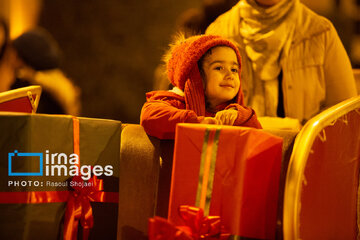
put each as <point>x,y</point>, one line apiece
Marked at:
<point>218,68</point>
<point>234,70</point>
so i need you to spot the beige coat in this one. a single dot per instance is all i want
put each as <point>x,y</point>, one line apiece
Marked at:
<point>316,69</point>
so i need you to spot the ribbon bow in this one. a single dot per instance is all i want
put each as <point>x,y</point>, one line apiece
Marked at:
<point>78,207</point>
<point>196,226</point>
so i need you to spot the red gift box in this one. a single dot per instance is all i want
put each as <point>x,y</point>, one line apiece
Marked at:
<point>231,172</point>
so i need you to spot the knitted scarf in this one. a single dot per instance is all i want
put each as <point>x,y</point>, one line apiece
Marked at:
<point>264,33</point>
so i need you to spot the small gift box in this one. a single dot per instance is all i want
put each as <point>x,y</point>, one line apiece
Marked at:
<point>231,172</point>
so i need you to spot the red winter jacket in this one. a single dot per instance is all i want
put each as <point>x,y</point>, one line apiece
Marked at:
<point>164,109</point>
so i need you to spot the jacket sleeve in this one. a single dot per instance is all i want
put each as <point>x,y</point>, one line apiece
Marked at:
<point>159,118</point>
<point>246,116</point>
<point>339,77</point>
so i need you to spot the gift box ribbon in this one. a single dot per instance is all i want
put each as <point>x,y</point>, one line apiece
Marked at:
<point>197,226</point>
<point>207,169</point>
<point>78,208</point>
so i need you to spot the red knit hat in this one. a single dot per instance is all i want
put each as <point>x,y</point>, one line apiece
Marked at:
<point>183,71</point>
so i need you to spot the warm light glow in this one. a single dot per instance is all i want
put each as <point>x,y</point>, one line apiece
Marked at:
<point>23,15</point>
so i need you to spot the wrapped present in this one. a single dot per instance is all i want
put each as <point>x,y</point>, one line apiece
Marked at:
<point>59,177</point>
<point>231,172</point>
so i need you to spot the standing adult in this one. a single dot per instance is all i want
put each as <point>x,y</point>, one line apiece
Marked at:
<point>36,60</point>
<point>294,64</point>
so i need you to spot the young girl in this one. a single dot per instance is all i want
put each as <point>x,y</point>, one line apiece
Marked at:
<point>205,72</point>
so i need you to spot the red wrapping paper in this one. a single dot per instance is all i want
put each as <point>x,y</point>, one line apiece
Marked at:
<point>330,195</point>
<point>231,172</point>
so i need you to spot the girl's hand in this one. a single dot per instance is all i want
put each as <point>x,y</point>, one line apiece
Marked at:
<point>227,117</point>
<point>210,120</point>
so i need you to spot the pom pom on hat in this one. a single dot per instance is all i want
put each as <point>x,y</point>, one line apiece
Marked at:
<point>38,49</point>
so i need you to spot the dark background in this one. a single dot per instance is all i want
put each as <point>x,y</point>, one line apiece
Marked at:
<point>111,49</point>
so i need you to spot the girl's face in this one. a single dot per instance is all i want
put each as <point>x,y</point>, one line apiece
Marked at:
<point>221,73</point>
